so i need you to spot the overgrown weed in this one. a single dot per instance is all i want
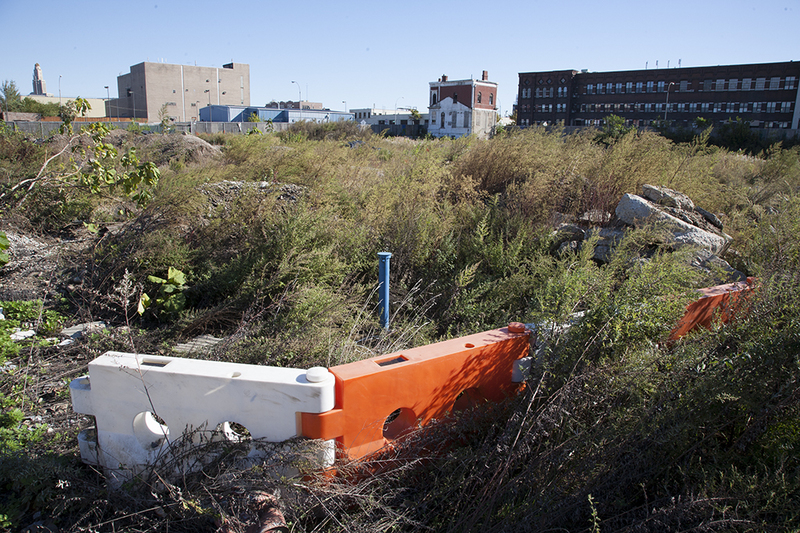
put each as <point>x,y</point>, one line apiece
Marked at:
<point>702,435</point>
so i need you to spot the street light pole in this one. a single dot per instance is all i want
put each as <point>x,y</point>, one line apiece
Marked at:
<point>108,99</point>
<point>666,105</point>
<point>345,105</point>
<point>395,111</point>
<point>299,99</point>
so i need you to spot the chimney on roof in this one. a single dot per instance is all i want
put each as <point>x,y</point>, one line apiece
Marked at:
<point>444,78</point>
<point>485,76</point>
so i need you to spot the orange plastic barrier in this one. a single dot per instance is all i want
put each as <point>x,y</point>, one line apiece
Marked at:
<point>721,299</point>
<point>378,399</point>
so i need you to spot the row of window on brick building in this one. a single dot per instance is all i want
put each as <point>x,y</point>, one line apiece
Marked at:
<point>704,107</point>
<point>733,84</point>
<point>525,122</point>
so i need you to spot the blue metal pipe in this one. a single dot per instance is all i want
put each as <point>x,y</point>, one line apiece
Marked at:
<point>383,287</point>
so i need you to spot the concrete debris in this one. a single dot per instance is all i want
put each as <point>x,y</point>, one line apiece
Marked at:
<point>201,344</point>
<point>21,335</point>
<point>79,330</point>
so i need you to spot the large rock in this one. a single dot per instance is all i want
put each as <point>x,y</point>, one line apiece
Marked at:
<point>667,197</point>
<point>636,211</point>
<point>720,270</point>
<point>609,238</point>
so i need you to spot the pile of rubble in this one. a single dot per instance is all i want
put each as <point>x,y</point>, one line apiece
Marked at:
<point>671,211</point>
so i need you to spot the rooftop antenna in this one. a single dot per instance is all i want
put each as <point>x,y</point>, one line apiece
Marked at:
<point>645,65</point>
<point>667,63</point>
<point>679,63</point>
<point>656,63</point>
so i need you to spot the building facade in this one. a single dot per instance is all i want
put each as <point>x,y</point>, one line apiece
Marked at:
<point>462,107</point>
<point>239,113</point>
<point>183,89</point>
<point>765,95</point>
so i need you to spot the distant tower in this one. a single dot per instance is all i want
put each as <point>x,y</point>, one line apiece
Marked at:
<point>39,86</point>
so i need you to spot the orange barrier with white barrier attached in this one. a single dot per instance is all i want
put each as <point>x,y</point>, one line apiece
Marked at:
<point>378,399</point>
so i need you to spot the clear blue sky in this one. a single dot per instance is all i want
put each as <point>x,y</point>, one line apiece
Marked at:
<point>379,52</point>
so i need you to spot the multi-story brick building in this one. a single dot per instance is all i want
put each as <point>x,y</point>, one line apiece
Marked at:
<point>765,95</point>
<point>183,88</point>
<point>462,107</point>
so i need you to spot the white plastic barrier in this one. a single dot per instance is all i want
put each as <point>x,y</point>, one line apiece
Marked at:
<point>131,395</point>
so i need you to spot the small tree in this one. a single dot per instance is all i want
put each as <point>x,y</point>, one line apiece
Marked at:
<point>70,111</point>
<point>613,129</point>
<point>163,118</point>
<point>10,99</point>
<point>97,167</point>
<point>415,115</point>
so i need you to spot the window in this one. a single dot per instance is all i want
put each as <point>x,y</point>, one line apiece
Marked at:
<point>441,124</point>
<point>661,86</point>
<point>583,108</point>
<point>760,83</point>
<point>491,98</point>
<point>704,107</point>
<point>455,98</point>
<point>746,84</point>
<point>638,86</point>
<point>786,107</point>
<point>756,107</point>
<point>648,108</point>
<point>681,108</point>
<point>649,86</point>
<point>692,108</point>
<point>538,92</point>
<point>729,107</point>
<point>433,98</point>
<point>743,107</point>
<point>590,89</point>
<point>771,107</point>
<point>717,107</point>
<point>610,88</point>
<point>479,97</point>
<point>629,87</point>
<point>720,85</point>
<point>733,84</point>
<point>774,83</point>
<point>619,88</point>
<point>789,82</point>
<point>659,108</point>
<point>707,85</point>
<point>601,89</point>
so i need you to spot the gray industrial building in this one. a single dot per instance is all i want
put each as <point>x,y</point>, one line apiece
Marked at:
<point>184,89</point>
